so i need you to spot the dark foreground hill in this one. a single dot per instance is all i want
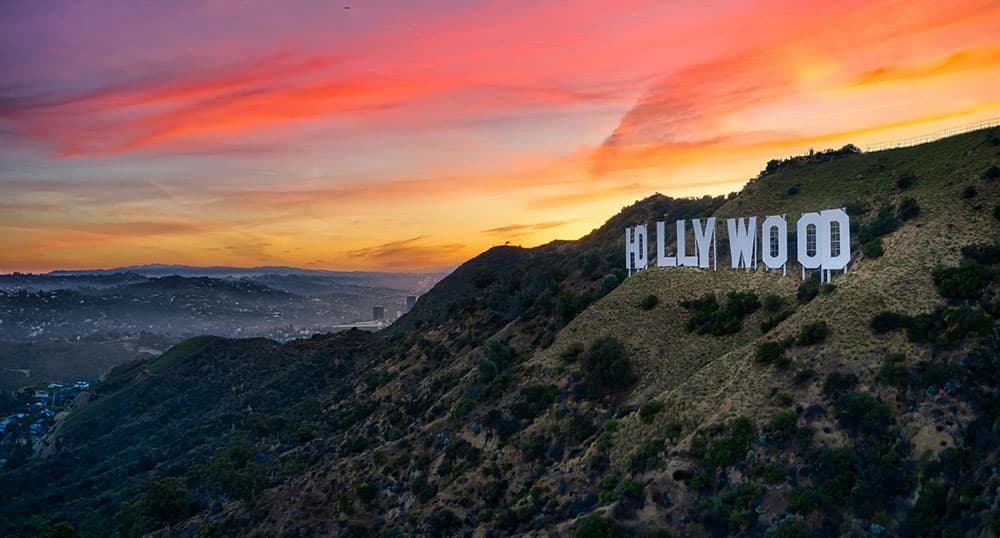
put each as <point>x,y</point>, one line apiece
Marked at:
<point>538,391</point>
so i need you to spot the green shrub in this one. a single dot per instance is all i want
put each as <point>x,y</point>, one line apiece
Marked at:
<point>905,181</point>
<point>773,302</point>
<point>607,368</point>
<point>813,333</point>
<point>950,324</point>
<point>996,212</point>
<point>769,352</point>
<point>838,383</point>
<point>167,500</point>
<point>793,190</point>
<point>423,490</point>
<point>771,473</point>
<point>782,427</point>
<point>982,253</point>
<point>649,410</point>
<point>862,413</point>
<point>772,322</point>
<point>886,321</point>
<point>969,192</point>
<point>646,457</point>
<point>732,448</point>
<point>607,488</point>
<point>344,503</point>
<point>366,492</point>
<point>885,222</point>
<point>940,373</point>
<point>570,304</point>
<point>873,249</point>
<point>962,282</point>
<point>597,526</point>
<point>708,317</point>
<point>649,302</point>
<point>894,372</point>
<point>808,289</point>
<point>992,172</point>
<point>534,400</point>
<point>572,352</point>
<point>908,209</point>
<point>461,409</point>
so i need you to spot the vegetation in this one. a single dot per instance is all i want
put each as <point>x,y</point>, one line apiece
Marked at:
<point>606,368</point>
<point>708,317</point>
<point>649,410</point>
<point>649,302</point>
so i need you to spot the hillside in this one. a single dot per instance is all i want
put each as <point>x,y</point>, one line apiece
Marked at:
<point>540,392</point>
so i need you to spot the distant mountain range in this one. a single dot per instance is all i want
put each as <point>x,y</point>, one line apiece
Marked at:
<point>218,271</point>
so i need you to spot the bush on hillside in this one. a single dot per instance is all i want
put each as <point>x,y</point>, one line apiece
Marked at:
<point>813,333</point>
<point>649,302</point>
<point>649,410</point>
<point>773,302</point>
<point>597,526</point>
<point>894,372</point>
<point>708,317</point>
<point>570,304</point>
<point>950,324</point>
<point>572,352</point>
<point>873,249</point>
<point>908,209</point>
<point>646,457</point>
<point>727,450</point>
<point>606,367</point>
<point>838,383</point>
<point>996,212</point>
<point>769,352</point>
<point>962,282</point>
<point>969,192</point>
<point>886,321</point>
<point>905,181</point>
<point>885,222</point>
<point>863,414</point>
<point>772,322</point>
<point>992,172</point>
<point>808,289</point>
<point>984,254</point>
<point>168,501</point>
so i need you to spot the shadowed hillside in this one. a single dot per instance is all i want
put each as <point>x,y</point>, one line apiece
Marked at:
<point>540,392</point>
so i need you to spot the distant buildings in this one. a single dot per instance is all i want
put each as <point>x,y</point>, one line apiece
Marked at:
<point>378,313</point>
<point>411,301</point>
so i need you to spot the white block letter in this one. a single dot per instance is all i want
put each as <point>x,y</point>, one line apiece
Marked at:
<point>703,239</point>
<point>662,260</point>
<point>636,246</point>
<point>838,239</point>
<point>682,256</point>
<point>774,230</point>
<point>809,233</point>
<point>742,240</point>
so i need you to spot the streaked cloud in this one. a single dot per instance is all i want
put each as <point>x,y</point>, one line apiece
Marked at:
<point>405,136</point>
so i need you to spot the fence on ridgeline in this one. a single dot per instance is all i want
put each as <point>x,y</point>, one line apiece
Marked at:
<point>930,137</point>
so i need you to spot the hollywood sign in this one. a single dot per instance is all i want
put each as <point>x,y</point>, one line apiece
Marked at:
<point>823,241</point>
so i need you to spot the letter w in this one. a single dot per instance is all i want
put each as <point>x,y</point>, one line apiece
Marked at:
<point>742,242</point>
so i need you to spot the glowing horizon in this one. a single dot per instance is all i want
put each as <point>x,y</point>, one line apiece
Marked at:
<point>387,137</point>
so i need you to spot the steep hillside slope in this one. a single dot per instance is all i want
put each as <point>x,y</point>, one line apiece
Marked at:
<point>538,391</point>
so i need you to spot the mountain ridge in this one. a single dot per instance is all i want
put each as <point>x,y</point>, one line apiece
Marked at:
<point>539,392</point>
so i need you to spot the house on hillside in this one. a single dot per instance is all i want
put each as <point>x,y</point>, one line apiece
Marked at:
<point>41,394</point>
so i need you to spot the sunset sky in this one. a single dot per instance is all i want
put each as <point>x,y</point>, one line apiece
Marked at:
<point>413,135</point>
